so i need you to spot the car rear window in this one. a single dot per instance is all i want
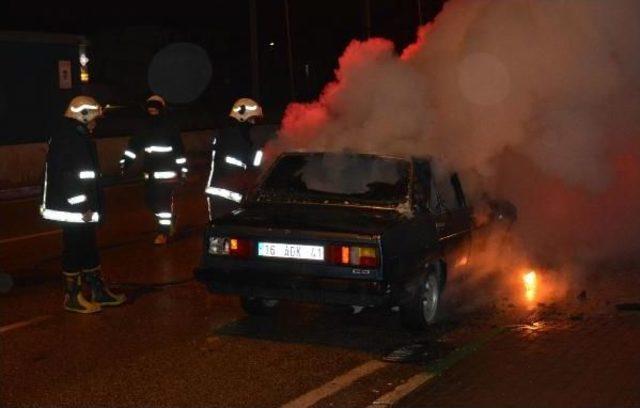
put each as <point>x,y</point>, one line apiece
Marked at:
<point>338,178</point>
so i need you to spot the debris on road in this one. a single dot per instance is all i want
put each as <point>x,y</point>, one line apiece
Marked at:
<point>410,353</point>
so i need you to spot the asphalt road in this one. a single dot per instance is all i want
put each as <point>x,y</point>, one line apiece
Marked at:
<point>173,344</point>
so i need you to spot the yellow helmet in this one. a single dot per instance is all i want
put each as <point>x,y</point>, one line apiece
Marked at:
<point>244,109</point>
<point>83,109</point>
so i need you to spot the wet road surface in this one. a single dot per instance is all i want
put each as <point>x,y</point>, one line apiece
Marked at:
<point>173,344</point>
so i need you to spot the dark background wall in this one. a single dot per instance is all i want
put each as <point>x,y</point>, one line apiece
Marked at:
<point>30,96</point>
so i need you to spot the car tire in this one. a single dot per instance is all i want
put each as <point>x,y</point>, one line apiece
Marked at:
<point>422,309</point>
<point>258,306</point>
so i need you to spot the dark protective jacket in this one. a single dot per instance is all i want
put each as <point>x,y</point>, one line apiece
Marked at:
<point>71,184</point>
<point>232,158</point>
<point>158,139</point>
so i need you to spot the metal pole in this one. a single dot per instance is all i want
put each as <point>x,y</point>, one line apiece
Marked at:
<point>367,18</point>
<point>292,82</point>
<point>420,12</point>
<point>255,60</point>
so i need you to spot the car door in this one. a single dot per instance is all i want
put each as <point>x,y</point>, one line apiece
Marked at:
<point>415,236</point>
<point>425,221</point>
<point>453,216</point>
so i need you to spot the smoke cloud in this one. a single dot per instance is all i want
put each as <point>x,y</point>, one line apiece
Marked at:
<point>536,102</point>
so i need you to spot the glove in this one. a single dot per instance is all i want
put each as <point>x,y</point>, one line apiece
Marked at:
<point>87,216</point>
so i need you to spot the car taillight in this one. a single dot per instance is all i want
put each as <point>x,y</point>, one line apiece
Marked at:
<point>366,257</point>
<point>230,246</point>
<point>240,247</point>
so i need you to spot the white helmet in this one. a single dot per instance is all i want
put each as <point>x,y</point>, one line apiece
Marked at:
<point>156,102</point>
<point>157,98</point>
<point>245,109</point>
<point>83,109</point>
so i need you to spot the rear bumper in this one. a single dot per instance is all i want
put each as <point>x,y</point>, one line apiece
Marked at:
<point>286,282</point>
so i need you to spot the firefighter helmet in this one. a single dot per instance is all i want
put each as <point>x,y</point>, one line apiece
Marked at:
<point>156,102</point>
<point>84,109</point>
<point>245,109</point>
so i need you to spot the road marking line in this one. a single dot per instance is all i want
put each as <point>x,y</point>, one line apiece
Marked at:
<point>24,323</point>
<point>402,390</point>
<point>335,385</point>
<point>24,237</point>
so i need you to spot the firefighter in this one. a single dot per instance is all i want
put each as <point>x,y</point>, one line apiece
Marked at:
<point>232,158</point>
<point>72,197</point>
<point>164,164</point>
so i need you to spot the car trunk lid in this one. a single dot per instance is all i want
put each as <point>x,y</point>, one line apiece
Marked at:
<point>314,218</point>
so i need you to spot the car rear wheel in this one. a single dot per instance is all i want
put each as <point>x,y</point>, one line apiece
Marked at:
<point>422,309</point>
<point>258,306</point>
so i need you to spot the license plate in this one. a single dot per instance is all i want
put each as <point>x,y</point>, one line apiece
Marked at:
<point>291,251</point>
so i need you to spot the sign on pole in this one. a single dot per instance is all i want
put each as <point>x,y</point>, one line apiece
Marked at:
<point>64,74</point>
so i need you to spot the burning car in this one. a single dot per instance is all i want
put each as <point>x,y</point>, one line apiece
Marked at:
<point>341,228</point>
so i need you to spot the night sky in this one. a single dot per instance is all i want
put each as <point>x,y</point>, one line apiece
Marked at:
<point>124,37</point>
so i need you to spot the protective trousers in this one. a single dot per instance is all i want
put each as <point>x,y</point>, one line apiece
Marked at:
<point>79,247</point>
<point>159,198</point>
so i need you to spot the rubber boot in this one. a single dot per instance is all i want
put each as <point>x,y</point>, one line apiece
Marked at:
<point>166,233</point>
<point>161,239</point>
<point>74,300</point>
<point>100,293</point>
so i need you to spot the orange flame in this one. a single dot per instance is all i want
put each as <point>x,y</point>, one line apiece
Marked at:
<point>462,261</point>
<point>530,280</point>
